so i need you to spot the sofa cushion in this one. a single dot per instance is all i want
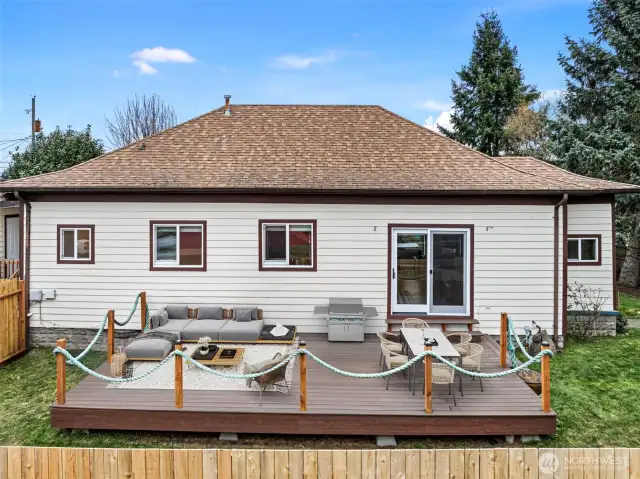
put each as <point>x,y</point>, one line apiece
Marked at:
<point>242,315</point>
<point>174,325</point>
<point>151,348</point>
<point>202,327</point>
<point>159,318</point>
<point>177,311</point>
<point>241,331</point>
<point>241,311</point>
<point>210,312</point>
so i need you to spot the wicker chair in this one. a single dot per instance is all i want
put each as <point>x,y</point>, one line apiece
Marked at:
<point>276,378</point>
<point>393,346</point>
<point>414,323</point>
<point>443,374</point>
<point>457,339</point>
<point>471,359</point>
<point>392,360</point>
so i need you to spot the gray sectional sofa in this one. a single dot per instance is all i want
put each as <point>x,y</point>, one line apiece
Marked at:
<point>244,324</point>
<point>224,325</point>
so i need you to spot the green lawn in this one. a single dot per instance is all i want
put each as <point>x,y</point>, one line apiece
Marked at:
<point>629,305</point>
<point>595,388</point>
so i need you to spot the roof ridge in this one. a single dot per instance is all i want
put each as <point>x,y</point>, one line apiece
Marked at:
<point>41,175</point>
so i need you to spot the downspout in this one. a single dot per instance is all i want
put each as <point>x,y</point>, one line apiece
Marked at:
<point>25,252</point>
<point>556,268</point>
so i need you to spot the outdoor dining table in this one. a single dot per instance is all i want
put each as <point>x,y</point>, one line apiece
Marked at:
<point>414,340</point>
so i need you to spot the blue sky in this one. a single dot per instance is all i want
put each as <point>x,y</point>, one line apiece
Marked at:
<point>82,58</point>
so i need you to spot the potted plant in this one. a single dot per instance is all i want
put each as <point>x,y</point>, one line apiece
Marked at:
<point>203,345</point>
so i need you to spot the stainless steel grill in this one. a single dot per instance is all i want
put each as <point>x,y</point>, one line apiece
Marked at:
<point>345,318</point>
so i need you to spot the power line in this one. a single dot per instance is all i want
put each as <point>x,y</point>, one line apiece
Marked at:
<point>16,144</point>
<point>14,139</point>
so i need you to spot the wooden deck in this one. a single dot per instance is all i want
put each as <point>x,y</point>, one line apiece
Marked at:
<point>336,405</point>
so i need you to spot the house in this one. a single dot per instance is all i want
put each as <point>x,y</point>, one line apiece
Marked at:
<point>9,238</point>
<point>284,206</point>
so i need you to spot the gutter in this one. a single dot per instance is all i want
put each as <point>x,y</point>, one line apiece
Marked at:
<point>25,255</point>
<point>556,254</point>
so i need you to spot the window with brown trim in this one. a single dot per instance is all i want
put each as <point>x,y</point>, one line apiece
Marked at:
<point>76,244</point>
<point>178,245</point>
<point>287,245</point>
<point>584,250</point>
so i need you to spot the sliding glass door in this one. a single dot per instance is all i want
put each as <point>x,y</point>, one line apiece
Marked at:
<point>430,271</point>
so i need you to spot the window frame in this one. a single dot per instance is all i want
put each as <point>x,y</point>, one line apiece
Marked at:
<point>581,262</point>
<point>75,228</point>
<point>177,267</point>
<point>262,266</point>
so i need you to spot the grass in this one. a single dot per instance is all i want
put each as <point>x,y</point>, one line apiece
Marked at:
<point>629,305</point>
<point>595,389</point>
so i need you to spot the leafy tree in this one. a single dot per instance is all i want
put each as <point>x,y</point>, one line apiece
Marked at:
<point>597,132</point>
<point>139,117</point>
<point>527,131</point>
<point>489,90</point>
<point>56,151</point>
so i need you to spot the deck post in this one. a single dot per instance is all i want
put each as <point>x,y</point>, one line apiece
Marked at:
<point>111,332</point>
<point>428,386</point>
<point>545,379</point>
<point>143,311</point>
<point>303,377</point>
<point>61,373</point>
<point>504,325</point>
<point>178,378</point>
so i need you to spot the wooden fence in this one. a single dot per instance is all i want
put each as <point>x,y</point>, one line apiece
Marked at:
<point>9,268</point>
<point>13,334</point>
<point>54,463</point>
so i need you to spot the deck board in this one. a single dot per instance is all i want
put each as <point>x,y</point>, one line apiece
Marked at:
<point>335,404</point>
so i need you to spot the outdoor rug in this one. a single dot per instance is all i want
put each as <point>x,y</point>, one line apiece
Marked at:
<point>195,379</point>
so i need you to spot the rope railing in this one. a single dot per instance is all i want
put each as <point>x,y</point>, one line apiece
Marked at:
<point>427,355</point>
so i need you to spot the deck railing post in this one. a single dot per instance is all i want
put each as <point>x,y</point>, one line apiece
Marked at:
<point>111,332</point>
<point>178,378</point>
<point>61,373</point>
<point>504,325</point>
<point>303,377</point>
<point>428,375</point>
<point>143,311</point>
<point>545,379</point>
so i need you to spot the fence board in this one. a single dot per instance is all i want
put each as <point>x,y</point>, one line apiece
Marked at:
<point>253,464</point>
<point>310,470</point>
<point>427,464</point>
<point>55,463</point>
<point>12,326</point>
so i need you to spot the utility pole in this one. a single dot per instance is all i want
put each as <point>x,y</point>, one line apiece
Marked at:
<point>33,121</point>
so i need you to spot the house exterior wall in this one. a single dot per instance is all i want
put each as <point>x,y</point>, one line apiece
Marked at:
<point>593,219</point>
<point>513,260</point>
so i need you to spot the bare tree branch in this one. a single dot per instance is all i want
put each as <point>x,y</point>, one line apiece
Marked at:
<point>139,118</point>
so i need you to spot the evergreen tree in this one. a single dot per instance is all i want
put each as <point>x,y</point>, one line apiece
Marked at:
<point>56,151</point>
<point>490,89</point>
<point>597,131</point>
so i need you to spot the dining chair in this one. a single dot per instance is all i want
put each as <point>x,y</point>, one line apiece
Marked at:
<point>393,346</point>
<point>443,374</point>
<point>457,339</point>
<point>392,360</point>
<point>471,359</point>
<point>414,323</point>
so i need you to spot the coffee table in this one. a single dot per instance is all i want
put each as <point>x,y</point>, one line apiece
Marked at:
<point>219,357</point>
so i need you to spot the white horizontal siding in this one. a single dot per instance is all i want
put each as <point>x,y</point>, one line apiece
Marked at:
<point>513,260</point>
<point>590,219</point>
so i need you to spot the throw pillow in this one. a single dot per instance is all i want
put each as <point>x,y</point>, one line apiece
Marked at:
<point>210,312</point>
<point>243,315</point>
<point>177,311</point>
<point>254,312</point>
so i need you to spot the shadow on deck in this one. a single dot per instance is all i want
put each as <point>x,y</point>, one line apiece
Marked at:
<point>337,405</point>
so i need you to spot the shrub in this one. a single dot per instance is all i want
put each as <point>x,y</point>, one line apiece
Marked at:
<point>584,320</point>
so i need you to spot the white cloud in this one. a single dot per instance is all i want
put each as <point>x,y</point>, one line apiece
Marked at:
<point>142,59</point>
<point>551,95</point>
<point>300,62</point>
<point>435,105</point>
<point>443,119</point>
